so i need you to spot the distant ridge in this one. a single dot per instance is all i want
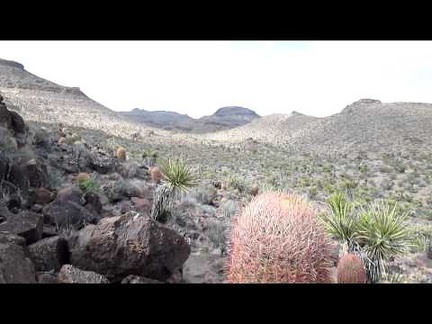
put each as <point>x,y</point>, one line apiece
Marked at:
<point>224,118</point>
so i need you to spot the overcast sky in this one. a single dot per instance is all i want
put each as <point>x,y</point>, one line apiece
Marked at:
<point>317,78</point>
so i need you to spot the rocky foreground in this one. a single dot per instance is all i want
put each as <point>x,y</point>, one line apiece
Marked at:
<point>54,231</point>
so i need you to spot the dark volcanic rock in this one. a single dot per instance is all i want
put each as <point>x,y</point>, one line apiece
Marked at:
<point>49,254</point>
<point>93,202</point>
<point>71,274</point>
<point>129,245</point>
<point>68,214</point>
<point>15,267</point>
<point>70,194</point>
<point>27,224</point>
<point>40,196</point>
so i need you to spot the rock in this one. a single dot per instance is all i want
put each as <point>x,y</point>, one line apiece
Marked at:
<point>93,202</point>
<point>26,224</point>
<point>14,201</point>
<point>14,123</point>
<point>142,204</point>
<point>102,164</point>
<point>49,231</point>
<point>36,208</point>
<point>15,267</point>
<point>131,279</point>
<point>203,268</point>
<point>68,214</point>
<point>125,207</point>
<point>4,213</point>
<point>70,194</point>
<point>40,196</point>
<point>70,274</point>
<point>17,123</point>
<point>124,190</point>
<point>8,238</point>
<point>47,277</point>
<point>129,245</point>
<point>176,277</point>
<point>71,168</point>
<point>35,172</point>
<point>49,253</point>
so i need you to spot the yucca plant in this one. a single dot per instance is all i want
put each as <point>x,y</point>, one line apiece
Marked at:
<point>340,222</point>
<point>177,177</point>
<point>382,234</point>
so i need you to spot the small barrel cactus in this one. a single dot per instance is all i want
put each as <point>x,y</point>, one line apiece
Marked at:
<point>82,177</point>
<point>156,174</point>
<point>121,154</point>
<point>278,239</point>
<point>351,269</point>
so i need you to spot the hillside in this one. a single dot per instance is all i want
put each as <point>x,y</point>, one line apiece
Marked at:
<point>369,125</point>
<point>223,119</point>
<point>275,128</point>
<point>40,100</point>
<point>365,125</point>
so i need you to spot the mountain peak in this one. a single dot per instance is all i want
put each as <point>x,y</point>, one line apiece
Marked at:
<point>234,110</point>
<point>12,64</point>
<point>360,103</point>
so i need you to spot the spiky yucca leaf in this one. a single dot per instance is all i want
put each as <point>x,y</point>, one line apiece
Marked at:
<point>177,174</point>
<point>383,233</point>
<point>177,177</point>
<point>340,222</point>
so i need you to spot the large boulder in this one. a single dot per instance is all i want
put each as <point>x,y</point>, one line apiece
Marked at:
<point>26,224</point>
<point>15,266</point>
<point>129,245</point>
<point>70,274</point>
<point>49,254</point>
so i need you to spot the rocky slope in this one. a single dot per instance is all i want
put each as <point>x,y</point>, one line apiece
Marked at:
<point>54,229</point>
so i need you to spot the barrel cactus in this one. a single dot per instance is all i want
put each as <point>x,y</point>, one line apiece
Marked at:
<point>350,269</point>
<point>121,154</point>
<point>278,238</point>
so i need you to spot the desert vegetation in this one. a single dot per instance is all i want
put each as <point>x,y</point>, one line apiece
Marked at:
<point>204,203</point>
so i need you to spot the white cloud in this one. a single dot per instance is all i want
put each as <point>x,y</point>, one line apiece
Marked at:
<point>197,77</point>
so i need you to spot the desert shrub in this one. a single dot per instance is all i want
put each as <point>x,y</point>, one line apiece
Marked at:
<point>216,233</point>
<point>86,182</point>
<point>205,194</point>
<point>228,208</point>
<point>296,248</point>
<point>238,184</point>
